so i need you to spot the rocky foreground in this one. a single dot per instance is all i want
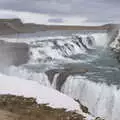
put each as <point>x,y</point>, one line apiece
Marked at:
<point>20,108</point>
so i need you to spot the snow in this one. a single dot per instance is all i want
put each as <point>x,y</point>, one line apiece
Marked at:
<point>28,88</point>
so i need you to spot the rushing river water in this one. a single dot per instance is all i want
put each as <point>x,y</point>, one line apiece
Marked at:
<point>77,63</point>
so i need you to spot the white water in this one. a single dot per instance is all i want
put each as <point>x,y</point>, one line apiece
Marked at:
<point>100,38</point>
<point>61,48</point>
<point>41,78</point>
<point>43,48</point>
<point>102,100</point>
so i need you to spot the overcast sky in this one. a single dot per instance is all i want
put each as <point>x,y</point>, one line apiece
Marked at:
<point>62,11</point>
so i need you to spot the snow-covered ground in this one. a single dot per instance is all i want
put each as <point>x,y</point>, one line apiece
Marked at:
<point>28,88</point>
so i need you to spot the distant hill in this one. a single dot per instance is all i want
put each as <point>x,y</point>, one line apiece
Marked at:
<point>15,21</point>
<point>12,26</point>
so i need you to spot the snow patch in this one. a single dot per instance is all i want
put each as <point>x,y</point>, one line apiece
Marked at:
<point>27,88</point>
<point>44,95</point>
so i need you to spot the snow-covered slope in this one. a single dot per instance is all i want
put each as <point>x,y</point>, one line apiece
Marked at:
<point>28,88</point>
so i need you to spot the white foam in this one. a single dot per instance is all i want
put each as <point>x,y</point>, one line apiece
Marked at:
<point>48,49</point>
<point>43,48</point>
<point>100,39</point>
<point>41,78</point>
<point>17,38</point>
<point>102,100</point>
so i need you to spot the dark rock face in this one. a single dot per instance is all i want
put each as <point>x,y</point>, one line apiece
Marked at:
<point>15,21</point>
<point>51,74</point>
<point>63,75</point>
<point>80,40</point>
<point>13,53</point>
<point>83,108</point>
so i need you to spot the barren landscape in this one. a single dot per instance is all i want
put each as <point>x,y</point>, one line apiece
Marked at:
<point>13,26</point>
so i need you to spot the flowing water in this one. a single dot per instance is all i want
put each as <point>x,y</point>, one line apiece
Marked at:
<point>77,63</point>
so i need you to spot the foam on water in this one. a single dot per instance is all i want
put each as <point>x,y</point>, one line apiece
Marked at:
<point>50,48</point>
<point>28,40</point>
<point>101,39</point>
<point>61,49</point>
<point>21,72</point>
<point>102,100</point>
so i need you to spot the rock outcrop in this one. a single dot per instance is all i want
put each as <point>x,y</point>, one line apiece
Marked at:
<point>21,108</point>
<point>63,74</point>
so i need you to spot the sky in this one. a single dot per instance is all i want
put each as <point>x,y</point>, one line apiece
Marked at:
<point>68,12</point>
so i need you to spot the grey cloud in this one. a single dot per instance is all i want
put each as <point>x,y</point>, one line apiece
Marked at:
<point>94,10</point>
<point>39,6</point>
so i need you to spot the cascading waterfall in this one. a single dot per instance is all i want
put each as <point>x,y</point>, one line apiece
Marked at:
<point>102,100</point>
<point>60,48</point>
<point>48,58</point>
<point>29,75</point>
<point>54,83</point>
